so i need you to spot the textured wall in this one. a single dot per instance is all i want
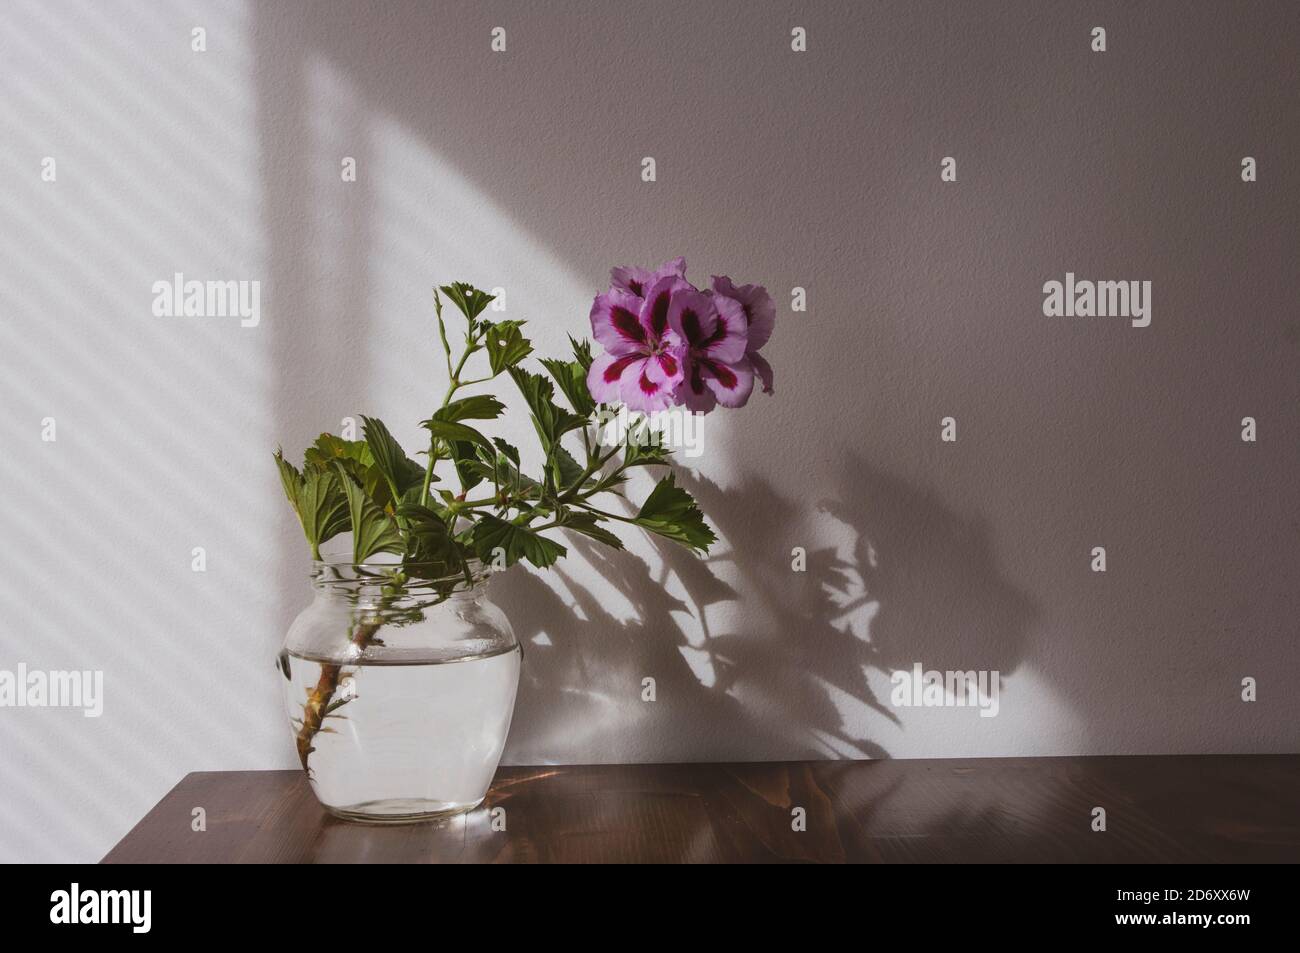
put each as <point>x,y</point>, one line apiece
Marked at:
<point>521,169</point>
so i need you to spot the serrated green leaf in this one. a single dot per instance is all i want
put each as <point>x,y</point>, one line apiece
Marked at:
<point>638,453</point>
<point>397,469</point>
<point>516,542</point>
<point>470,300</point>
<point>464,458</point>
<point>373,531</point>
<point>429,534</point>
<point>450,431</point>
<point>508,474</point>
<point>327,449</point>
<point>290,478</point>
<point>572,378</point>
<point>588,524</point>
<point>671,512</point>
<point>581,352</point>
<point>608,482</point>
<point>458,437</point>
<point>322,508</point>
<point>506,345</point>
<point>567,469</point>
<point>478,407</point>
<point>377,487</point>
<point>549,420</point>
<point>510,452</point>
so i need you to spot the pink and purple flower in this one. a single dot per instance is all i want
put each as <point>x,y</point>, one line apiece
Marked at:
<point>760,319</point>
<point>714,333</point>
<point>669,344</point>
<point>642,363</point>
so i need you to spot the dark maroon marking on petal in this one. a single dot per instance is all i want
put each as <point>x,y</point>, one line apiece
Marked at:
<point>627,324</point>
<point>647,385</point>
<point>723,374</point>
<point>719,332</point>
<point>616,369</point>
<point>668,363</point>
<point>697,379</point>
<point>637,288</point>
<point>691,327</point>
<point>659,314</point>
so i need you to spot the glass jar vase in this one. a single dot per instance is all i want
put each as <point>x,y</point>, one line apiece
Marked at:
<point>399,690</point>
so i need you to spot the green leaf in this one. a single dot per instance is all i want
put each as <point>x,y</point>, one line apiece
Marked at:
<point>572,378</point>
<point>507,472</point>
<point>290,478</point>
<point>567,469</point>
<point>354,454</point>
<point>517,542</point>
<point>373,531</point>
<point>469,299</point>
<point>460,439</point>
<point>588,524</point>
<point>510,452</point>
<point>322,508</point>
<point>671,512</point>
<point>397,469</point>
<point>428,531</point>
<point>377,487</point>
<point>609,483</point>
<point>465,459</point>
<point>506,345</point>
<point>478,407</point>
<point>550,421</point>
<point>581,353</point>
<point>423,520</point>
<point>641,452</point>
<point>451,431</point>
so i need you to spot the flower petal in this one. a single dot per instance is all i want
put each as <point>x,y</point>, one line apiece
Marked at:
<point>666,366</point>
<point>762,369</point>
<point>760,309</point>
<point>693,317</point>
<point>638,281</point>
<point>630,279</point>
<point>658,301</point>
<point>672,267</point>
<point>640,391</point>
<point>730,383</point>
<point>693,393</point>
<point>730,335</point>
<point>616,322</point>
<point>604,380</point>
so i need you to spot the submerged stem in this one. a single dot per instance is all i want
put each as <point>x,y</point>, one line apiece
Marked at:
<point>320,697</point>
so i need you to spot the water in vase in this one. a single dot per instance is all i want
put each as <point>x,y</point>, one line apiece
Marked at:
<point>407,738</point>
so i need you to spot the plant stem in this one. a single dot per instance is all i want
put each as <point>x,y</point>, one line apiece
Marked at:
<point>320,697</point>
<point>442,330</point>
<point>591,468</point>
<point>453,384</point>
<point>598,512</point>
<point>476,504</point>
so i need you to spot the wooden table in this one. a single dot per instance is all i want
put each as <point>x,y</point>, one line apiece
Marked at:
<point>1168,808</point>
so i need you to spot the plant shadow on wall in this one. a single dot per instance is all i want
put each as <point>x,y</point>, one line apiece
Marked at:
<point>919,584</point>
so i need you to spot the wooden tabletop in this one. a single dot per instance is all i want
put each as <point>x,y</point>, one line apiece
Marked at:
<point>1243,808</point>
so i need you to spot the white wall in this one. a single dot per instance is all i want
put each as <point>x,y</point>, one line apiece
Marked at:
<point>818,170</point>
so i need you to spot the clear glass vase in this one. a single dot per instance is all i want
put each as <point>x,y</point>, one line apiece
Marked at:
<point>399,691</point>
